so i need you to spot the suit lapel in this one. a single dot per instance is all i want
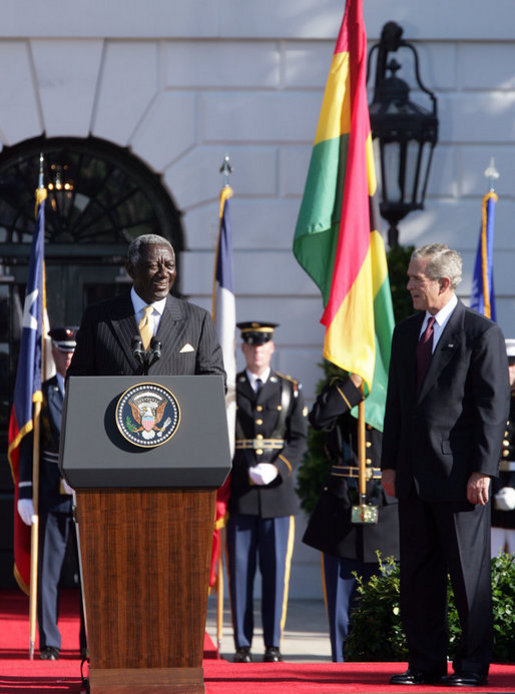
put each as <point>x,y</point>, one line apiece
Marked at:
<point>169,326</point>
<point>446,348</point>
<point>125,328</point>
<point>410,354</point>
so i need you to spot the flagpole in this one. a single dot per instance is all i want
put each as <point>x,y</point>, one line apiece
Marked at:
<point>363,512</point>
<point>34,532</point>
<point>492,174</point>
<point>221,322</point>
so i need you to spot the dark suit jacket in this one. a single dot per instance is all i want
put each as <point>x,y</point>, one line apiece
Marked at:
<point>50,498</point>
<point>435,440</point>
<point>189,344</point>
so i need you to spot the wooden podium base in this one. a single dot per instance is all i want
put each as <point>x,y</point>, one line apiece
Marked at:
<point>146,681</point>
<point>145,563</point>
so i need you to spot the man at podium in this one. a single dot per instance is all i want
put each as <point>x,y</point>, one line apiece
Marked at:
<point>147,330</point>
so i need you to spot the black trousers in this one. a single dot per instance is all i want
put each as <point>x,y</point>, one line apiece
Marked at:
<point>437,539</point>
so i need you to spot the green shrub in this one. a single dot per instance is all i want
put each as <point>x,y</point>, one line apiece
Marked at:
<point>376,632</point>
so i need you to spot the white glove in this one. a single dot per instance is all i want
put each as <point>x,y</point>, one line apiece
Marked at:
<point>66,487</point>
<point>26,510</point>
<point>505,499</point>
<point>263,473</point>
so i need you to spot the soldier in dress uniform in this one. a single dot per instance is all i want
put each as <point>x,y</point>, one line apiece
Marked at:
<point>270,440</point>
<point>503,507</point>
<point>348,547</point>
<point>55,498</point>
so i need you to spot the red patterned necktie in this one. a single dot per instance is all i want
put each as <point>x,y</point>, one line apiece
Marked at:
<point>424,351</point>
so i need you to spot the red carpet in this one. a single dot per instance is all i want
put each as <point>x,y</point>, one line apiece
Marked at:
<point>19,675</point>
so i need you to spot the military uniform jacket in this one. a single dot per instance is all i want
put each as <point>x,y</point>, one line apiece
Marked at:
<point>330,528</point>
<point>50,498</point>
<point>277,412</point>
<point>506,519</point>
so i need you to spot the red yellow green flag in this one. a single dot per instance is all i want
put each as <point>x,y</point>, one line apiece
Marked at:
<point>336,238</point>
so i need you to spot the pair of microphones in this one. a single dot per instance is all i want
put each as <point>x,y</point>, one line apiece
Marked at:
<point>146,357</point>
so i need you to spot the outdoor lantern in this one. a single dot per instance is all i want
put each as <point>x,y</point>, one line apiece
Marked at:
<point>404,132</point>
<point>60,187</point>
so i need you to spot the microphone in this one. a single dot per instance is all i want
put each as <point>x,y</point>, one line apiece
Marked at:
<point>155,351</point>
<point>137,349</point>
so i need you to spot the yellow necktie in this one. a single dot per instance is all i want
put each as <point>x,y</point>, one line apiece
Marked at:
<point>146,327</point>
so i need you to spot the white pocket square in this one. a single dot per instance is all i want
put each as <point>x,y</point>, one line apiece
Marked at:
<point>187,348</point>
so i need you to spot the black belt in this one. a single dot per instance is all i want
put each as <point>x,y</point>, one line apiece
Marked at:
<point>255,444</point>
<point>371,473</point>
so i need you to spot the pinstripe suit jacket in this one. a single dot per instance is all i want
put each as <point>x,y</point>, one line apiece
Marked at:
<point>189,344</point>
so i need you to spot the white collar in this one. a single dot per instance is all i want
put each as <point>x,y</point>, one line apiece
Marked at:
<point>139,305</point>
<point>444,313</point>
<point>253,377</point>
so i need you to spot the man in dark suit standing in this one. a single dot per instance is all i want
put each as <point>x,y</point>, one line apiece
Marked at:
<point>270,440</point>
<point>145,322</point>
<point>55,499</point>
<point>446,411</point>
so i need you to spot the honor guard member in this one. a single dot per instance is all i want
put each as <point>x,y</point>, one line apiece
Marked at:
<point>503,507</point>
<point>270,440</point>
<point>347,547</point>
<point>55,499</point>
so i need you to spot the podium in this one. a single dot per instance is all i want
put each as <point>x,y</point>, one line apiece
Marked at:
<point>145,456</point>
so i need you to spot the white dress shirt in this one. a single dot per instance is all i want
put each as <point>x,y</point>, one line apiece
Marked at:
<point>139,305</point>
<point>254,377</point>
<point>441,319</point>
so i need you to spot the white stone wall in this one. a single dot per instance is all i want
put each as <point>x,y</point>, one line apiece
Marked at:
<point>182,83</point>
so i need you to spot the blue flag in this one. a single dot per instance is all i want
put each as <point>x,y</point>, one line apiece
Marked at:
<point>482,298</point>
<point>224,318</point>
<point>27,388</point>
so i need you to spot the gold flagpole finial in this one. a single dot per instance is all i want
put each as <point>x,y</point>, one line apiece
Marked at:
<point>40,190</point>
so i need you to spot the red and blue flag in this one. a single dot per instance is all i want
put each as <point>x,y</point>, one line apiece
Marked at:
<point>27,389</point>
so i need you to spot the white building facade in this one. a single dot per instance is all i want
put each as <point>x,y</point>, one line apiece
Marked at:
<point>181,84</point>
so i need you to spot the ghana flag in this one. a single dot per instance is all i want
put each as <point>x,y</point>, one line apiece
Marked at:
<point>336,237</point>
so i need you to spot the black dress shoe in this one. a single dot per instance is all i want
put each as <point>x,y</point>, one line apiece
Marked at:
<point>49,653</point>
<point>272,655</point>
<point>242,655</point>
<point>412,676</point>
<point>466,679</point>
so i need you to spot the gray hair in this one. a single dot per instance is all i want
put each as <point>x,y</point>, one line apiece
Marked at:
<point>444,262</point>
<point>134,250</point>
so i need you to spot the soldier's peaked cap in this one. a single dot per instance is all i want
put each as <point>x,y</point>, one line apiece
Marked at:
<point>63,338</point>
<point>256,332</point>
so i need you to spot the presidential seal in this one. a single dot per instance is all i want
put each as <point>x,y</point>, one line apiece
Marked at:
<point>147,415</point>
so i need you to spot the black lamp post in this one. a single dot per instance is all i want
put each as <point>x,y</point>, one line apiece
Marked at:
<point>406,133</point>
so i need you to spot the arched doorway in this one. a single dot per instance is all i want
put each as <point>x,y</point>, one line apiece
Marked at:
<point>100,197</point>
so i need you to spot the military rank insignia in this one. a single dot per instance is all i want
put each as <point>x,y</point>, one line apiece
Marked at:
<point>147,415</point>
